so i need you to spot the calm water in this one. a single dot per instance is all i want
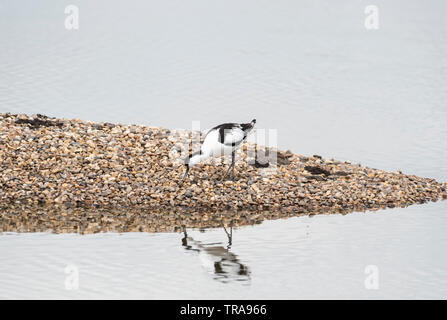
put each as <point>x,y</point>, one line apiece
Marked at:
<point>309,69</point>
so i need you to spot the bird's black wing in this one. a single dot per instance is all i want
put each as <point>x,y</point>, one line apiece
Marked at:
<point>224,129</point>
<point>232,136</point>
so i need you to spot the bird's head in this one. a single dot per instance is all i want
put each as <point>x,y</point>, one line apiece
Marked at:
<point>247,127</point>
<point>253,122</point>
<point>186,169</point>
<point>191,161</point>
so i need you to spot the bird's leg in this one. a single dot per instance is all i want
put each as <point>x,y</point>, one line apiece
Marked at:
<point>233,156</point>
<point>185,175</point>
<point>223,178</point>
<point>185,238</point>
<point>231,167</point>
<point>229,235</point>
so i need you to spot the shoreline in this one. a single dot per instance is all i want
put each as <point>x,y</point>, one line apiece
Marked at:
<point>88,220</point>
<point>51,166</point>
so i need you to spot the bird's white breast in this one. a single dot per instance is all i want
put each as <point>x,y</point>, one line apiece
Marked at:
<point>212,147</point>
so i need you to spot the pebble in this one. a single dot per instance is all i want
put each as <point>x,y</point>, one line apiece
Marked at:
<point>78,176</point>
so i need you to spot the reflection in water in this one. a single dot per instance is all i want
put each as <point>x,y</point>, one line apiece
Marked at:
<point>219,260</point>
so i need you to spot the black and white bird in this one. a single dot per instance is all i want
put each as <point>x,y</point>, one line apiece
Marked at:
<point>221,140</point>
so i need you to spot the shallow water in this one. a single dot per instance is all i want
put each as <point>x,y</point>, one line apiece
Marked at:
<point>301,257</point>
<point>306,68</point>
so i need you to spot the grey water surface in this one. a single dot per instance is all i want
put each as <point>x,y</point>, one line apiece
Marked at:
<point>310,70</point>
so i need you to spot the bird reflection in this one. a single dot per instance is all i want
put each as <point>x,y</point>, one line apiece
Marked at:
<point>224,264</point>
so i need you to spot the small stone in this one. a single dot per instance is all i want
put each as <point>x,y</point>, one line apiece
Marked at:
<point>77,176</point>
